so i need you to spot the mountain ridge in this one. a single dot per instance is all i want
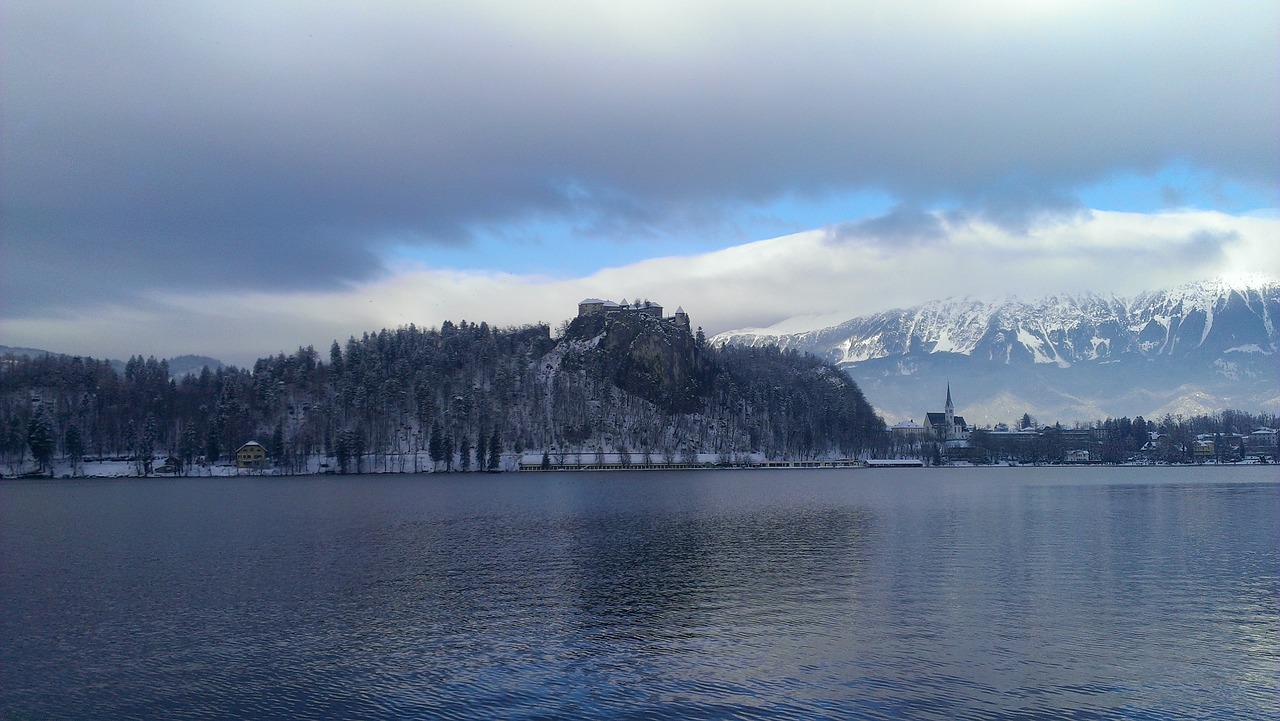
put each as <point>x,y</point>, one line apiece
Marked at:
<point>1200,345</point>
<point>179,366</point>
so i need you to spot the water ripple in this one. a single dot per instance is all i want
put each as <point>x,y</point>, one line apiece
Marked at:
<point>701,596</point>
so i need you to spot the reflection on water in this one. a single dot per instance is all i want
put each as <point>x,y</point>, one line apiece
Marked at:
<point>1003,593</point>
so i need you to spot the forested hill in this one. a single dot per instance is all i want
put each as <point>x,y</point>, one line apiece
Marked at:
<point>625,382</point>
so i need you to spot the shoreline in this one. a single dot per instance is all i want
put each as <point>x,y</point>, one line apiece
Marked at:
<point>222,472</point>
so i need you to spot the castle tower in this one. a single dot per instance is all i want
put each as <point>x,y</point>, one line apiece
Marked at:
<point>682,318</point>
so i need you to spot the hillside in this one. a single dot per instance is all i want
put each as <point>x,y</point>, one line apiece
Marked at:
<point>1198,348</point>
<point>607,384</point>
<point>178,366</point>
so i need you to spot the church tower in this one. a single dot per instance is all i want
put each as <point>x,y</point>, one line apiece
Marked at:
<point>950,413</point>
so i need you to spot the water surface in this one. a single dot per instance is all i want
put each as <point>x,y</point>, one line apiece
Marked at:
<point>916,593</point>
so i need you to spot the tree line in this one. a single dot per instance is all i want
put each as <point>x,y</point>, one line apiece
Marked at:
<point>463,394</point>
<point>1170,439</point>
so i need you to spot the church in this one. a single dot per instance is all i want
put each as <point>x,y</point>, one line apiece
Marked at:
<point>947,426</point>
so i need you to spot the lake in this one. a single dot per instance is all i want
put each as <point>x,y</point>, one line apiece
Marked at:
<point>1004,593</point>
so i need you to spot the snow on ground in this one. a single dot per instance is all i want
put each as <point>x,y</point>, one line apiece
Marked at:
<point>315,465</point>
<point>390,463</point>
<point>591,458</point>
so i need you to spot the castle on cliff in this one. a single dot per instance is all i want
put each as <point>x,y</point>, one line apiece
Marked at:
<point>596,306</point>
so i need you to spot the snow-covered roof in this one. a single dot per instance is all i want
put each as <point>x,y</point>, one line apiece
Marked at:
<point>605,303</point>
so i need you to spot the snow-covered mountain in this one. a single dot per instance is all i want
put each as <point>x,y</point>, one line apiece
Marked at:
<point>1201,347</point>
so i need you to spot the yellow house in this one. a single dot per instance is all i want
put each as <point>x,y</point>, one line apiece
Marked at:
<point>251,455</point>
<point>1203,449</point>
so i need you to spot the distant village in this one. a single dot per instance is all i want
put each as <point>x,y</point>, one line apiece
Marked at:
<point>945,437</point>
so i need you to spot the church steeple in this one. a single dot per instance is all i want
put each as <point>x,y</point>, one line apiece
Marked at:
<point>950,415</point>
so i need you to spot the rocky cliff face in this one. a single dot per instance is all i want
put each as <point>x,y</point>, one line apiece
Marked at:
<point>613,371</point>
<point>648,357</point>
<point>1197,348</point>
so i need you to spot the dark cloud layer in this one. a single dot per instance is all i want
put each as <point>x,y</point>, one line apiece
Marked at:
<point>901,227</point>
<point>252,144</point>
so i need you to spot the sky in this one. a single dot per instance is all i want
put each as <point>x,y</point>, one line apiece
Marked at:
<point>238,179</point>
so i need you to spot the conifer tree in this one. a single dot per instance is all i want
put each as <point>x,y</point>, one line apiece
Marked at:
<point>342,451</point>
<point>41,442</point>
<point>435,450</point>
<point>212,449</point>
<point>495,450</point>
<point>358,448</point>
<point>277,443</point>
<point>73,447</point>
<point>187,449</point>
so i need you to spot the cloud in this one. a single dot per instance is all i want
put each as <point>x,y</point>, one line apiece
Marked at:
<point>1172,197</point>
<point>899,227</point>
<point>755,284</point>
<point>155,145</point>
<point>1208,246</point>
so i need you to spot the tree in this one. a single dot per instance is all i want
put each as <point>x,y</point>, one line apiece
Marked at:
<point>435,447</point>
<point>187,447</point>
<point>984,450</point>
<point>150,434</point>
<point>15,442</point>
<point>131,438</point>
<point>277,443</point>
<point>73,447</point>
<point>212,449</point>
<point>41,442</point>
<point>358,448</point>
<point>495,450</point>
<point>465,454</point>
<point>342,451</point>
<point>335,358</point>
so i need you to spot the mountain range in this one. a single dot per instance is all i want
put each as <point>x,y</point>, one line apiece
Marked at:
<point>1198,348</point>
<point>179,366</point>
